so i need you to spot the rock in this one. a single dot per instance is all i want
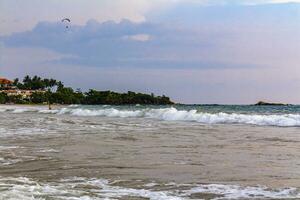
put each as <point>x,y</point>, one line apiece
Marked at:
<point>262,103</point>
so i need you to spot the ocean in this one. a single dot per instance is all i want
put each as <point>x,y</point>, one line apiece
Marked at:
<point>149,152</point>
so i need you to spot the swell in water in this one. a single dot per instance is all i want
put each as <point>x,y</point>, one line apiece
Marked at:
<point>169,114</point>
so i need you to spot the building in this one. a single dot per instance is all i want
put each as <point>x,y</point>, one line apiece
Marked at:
<point>23,93</point>
<point>5,83</point>
<point>6,87</point>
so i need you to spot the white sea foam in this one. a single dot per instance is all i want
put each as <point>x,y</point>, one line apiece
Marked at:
<point>8,147</point>
<point>21,132</point>
<point>75,189</point>
<point>82,188</point>
<point>6,161</point>
<point>49,111</point>
<point>110,112</point>
<point>48,151</point>
<point>172,114</point>
<point>169,114</point>
<point>238,192</point>
<point>20,109</point>
<point>7,156</point>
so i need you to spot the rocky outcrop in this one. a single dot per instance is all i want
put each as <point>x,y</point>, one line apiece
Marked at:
<point>263,103</point>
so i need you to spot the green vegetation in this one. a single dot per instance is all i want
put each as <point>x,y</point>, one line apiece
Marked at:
<point>54,92</point>
<point>35,83</point>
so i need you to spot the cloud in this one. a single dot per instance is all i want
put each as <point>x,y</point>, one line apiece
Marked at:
<point>20,15</point>
<point>123,44</point>
<point>138,37</point>
<point>230,15</point>
<point>183,37</point>
<point>280,1</point>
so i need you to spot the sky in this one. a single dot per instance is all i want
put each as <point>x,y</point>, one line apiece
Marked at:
<point>195,51</point>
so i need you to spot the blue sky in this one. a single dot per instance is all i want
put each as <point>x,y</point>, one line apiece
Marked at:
<point>232,52</point>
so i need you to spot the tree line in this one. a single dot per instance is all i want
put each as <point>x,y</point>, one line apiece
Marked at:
<point>54,92</point>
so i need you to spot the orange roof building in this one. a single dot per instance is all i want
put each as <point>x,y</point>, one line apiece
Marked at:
<point>4,81</point>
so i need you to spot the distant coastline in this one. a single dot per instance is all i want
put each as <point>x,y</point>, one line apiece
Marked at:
<point>36,90</point>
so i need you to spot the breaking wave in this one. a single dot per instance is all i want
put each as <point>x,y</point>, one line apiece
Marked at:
<point>172,114</point>
<point>169,114</point>
<point>83,188</point>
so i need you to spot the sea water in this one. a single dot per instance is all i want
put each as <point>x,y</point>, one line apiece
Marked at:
<point>150,152</point>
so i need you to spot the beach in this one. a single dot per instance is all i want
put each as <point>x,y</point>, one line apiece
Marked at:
<point>149,152</point>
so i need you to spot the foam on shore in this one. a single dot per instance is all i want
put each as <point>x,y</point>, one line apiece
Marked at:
<point>82,188</point>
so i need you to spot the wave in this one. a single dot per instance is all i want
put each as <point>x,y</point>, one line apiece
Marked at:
<point>22,109</point>
<point>169,114</point>
<point>172,114</point>
<point>83,188</point>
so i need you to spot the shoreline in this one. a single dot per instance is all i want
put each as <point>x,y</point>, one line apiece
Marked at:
<point>175,104</point>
